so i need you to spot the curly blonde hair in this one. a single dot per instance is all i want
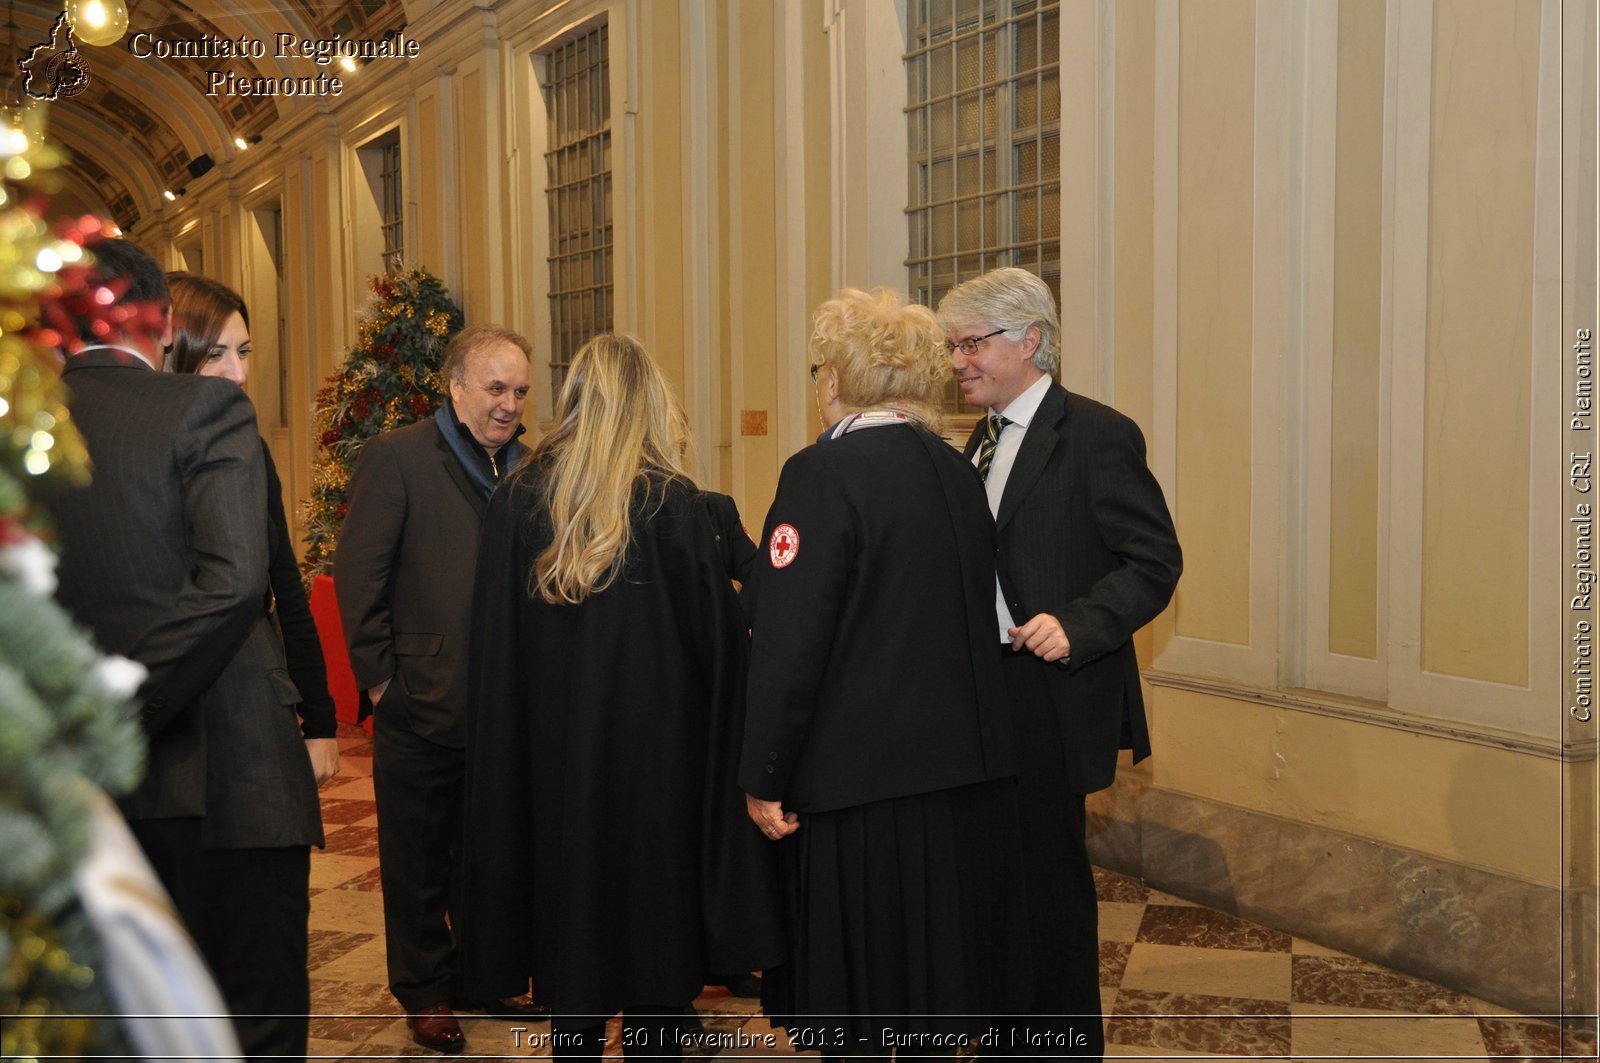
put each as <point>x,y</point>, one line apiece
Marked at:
<point>887,352</point>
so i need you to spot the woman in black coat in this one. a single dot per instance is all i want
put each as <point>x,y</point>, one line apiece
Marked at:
<point>877,755</point>
<point>607,856</point>
<point>211,337</point>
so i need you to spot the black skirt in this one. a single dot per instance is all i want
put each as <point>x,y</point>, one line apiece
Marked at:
<point>907,923</point>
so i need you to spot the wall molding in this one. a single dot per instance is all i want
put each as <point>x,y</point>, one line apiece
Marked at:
<point>1358,710</point>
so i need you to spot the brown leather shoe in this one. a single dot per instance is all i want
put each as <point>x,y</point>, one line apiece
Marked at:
<point>436,1028</point>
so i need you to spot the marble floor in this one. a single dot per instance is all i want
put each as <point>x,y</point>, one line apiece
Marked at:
<point>1177,979</point>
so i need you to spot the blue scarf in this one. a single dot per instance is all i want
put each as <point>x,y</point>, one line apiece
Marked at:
<point>474,459</point>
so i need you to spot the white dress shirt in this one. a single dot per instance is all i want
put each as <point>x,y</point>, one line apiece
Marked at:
<point>1019,412</point>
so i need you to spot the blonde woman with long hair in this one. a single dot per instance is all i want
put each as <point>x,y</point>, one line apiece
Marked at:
<point>607,857</point>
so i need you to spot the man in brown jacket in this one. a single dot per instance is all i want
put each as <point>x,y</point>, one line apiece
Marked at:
<point>403,572</point>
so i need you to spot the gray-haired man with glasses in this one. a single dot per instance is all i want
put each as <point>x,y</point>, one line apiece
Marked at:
<point>1087,556</point>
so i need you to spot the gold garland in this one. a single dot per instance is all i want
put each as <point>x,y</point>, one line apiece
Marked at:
<point>33,411</point>
<point>38,963</point>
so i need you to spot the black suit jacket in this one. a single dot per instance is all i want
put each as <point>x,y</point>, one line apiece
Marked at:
<point>732,539</point>
<point>403,573</point>
<point>164,559</point>
<point>734,542</point>
<point>302,648</point>
<point>874,672</point>
<point>1085,536</point>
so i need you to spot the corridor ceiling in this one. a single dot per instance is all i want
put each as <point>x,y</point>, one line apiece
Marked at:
<point>141,120</point>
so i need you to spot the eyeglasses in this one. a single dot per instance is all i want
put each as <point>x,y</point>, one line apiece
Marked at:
<point>972,344</point>
<point>814,373</point>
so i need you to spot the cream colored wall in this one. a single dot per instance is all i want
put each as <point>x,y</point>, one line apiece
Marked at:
<point>1580,299</point>
<point>754,285</point>
<point>1479,329</point>
<point>479,234</point>
<point>1482,805</point>
<point>1356,372</point>
<point>1313,211</point>
<point>665,218</point>
<point>1214,296</point>
<point>433,171</point>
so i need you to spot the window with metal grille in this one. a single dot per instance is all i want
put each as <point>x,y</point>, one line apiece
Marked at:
<point>984,114</point>
<point>393,205</point>
<point>577,98</point>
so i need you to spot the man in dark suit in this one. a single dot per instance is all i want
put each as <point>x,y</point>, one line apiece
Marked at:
<point>403,572</point>
<point>164,559</point>
<point>1087,556</point>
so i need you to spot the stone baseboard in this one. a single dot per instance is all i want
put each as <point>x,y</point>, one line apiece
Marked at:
<point>1510,942</point>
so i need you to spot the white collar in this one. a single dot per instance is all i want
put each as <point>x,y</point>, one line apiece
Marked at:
<point>867,419</point>
<point>1020,410</point>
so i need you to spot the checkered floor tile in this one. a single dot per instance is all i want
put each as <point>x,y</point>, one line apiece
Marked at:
<point>1176,979</point>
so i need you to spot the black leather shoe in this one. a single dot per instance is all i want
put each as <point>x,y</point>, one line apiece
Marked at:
<point>511,1009</point>
<point>742,985</point>
<point>436,1028</point>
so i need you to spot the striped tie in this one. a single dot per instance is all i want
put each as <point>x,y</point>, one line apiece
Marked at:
<point>992,427</point>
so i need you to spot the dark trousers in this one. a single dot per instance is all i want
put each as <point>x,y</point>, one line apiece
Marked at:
<point>1063,910</point>
<point>246,910</point>
<point>419,787</point>
<point>649,1031</point>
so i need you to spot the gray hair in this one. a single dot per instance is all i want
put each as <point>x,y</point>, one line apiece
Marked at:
<point>1011,299</point>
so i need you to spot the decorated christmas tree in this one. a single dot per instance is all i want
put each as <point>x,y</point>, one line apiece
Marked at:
<point>66,726</point>
<point>389,379</point>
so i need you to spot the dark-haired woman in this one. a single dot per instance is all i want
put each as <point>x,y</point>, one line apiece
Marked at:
<point>211,337</point>
<point>262,974</point>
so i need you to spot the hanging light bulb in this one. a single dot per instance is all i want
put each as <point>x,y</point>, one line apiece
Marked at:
<point>13,137</point>
<point>97,22</point>
<point>21,126</point>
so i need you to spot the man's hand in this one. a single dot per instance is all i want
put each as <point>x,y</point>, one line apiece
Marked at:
<point>1042,636</point>
<point>324,753</point>
<point>774,822</point>
<point>376,693</point>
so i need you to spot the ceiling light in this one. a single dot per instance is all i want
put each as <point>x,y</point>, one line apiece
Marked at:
<point>169,195</point>
<point>98,22</point>
<point>13,141</point>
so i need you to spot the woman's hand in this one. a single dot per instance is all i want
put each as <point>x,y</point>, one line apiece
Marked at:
<point>774,822</point>
<point>324,753</point>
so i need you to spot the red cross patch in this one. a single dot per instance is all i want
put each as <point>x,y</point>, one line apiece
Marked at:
<point>784,546</point>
